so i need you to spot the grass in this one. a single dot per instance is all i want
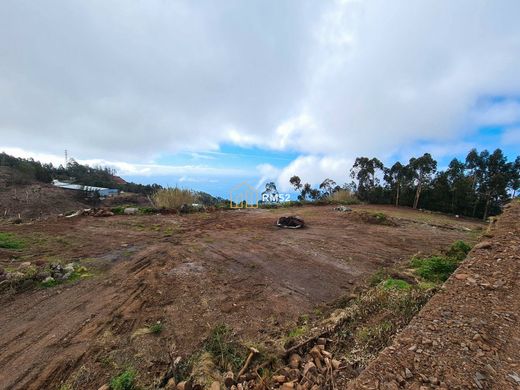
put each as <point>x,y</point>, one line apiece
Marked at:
<point>437,269</point>
<point>227,354</point>
<point>396,284</point>
<point>156,328</point>
<point>343,197</point>
<point>124,381</point>
<point>9,241</point>
<point>173,198</point>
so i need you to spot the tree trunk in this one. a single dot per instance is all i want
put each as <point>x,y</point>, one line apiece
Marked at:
<point>417,195</point>
<point>486,209</point>
<point>397,195</point>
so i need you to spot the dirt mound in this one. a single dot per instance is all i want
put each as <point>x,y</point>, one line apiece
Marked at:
<point>30,199</point>
<point>467,336</point>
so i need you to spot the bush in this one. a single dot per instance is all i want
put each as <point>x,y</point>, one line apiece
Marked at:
<point>124,381</point>
<point>459,250</point>
<point>173,198</point>
<point>343,197</point>
<point>435,268</point>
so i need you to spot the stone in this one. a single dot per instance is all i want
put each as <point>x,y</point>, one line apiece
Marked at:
<point>483,245</point>
<point>69,267</point>
<point>407,373</point>
<point>130,210</point>
<point>48,279</point>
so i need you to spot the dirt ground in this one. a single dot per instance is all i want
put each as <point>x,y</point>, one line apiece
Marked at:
<point>467,336</point>
<point>191,272</point>
<point>32,199</point>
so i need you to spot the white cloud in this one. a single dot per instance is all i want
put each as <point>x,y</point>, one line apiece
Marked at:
<point>498,113</point>
<point>314,169</point>
<point>126,82</point>
<point>511,136</point>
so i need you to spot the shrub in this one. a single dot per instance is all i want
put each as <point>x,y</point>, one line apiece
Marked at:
<point>435,268</point>
<point>343,197</point>
<point>459,250</point>
<point>156,328</point>
<point>124,381</point>
<point>173,198</point>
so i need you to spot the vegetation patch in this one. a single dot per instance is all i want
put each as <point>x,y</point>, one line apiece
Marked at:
<point>437,269</point>
<point>10,241</point>
<point>226,352</point>
<point>156,328</point>
<point>396,284</point>
<point>173,198</point>
<point>124,381</point>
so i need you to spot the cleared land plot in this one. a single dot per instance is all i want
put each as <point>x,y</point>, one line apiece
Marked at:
<point>190,273</point>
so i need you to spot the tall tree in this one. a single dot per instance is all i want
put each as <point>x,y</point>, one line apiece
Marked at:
<point>365,172</point>
<point>422,169</point>
<point>328,186</point>
<point>395,176</point>
<point>496,178</point>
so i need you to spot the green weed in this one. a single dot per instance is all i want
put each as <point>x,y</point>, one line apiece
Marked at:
<point>9,241</point>
<point>124,381</point>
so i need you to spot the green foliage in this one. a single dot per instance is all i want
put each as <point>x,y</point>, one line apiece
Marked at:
<point>377,277</point>
<point>396,284</point>
<point>459,250</point>
<point>124,381</point>
<point>435,268</point>
<point>9,241</point>
<point>227,353</point>
<point>156,328</point>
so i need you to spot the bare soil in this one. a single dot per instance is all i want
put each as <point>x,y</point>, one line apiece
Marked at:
<point>191,272</point>
<point>467,336</point>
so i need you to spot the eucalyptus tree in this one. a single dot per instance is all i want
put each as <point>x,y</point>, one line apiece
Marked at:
<point>422,169</point>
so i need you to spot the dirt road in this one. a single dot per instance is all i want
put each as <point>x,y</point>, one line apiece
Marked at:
<point>190,273</point>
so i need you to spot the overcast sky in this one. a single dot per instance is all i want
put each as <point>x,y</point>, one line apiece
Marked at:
<point>206,93</point>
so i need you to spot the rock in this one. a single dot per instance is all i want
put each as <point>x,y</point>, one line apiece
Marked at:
<point>342,209</point>
<point>295,360</point>
<point>309,367</point>
<point>459,276</point>
<point>229,379</point>
<point>48,279</point>
<point>483,245</point>
<point>279,378</point>
<point>215,386</point>
<point>171,385</point>
<point>25,264</point>
<point>104,387</point>
<point>287,386</point>
<point>16,275</point>
<point>69,267</point>
<point>184,385</point>
<point>130,210</point>
<point>321,341</point>
<point>335,364</point>
<point>407,373</point>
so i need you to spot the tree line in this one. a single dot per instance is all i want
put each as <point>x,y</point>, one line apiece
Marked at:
<point>475,187</point>
<point>28,170</point>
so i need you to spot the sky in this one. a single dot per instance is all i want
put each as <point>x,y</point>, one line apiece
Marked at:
<point>207,94</point>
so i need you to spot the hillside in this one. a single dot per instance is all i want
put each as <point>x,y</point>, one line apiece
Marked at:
<point>27,198</point>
